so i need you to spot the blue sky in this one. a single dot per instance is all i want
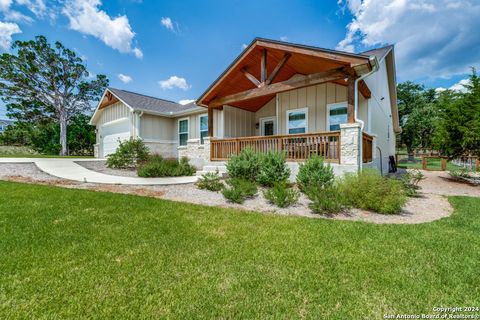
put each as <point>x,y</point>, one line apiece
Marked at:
<point>175,49</point>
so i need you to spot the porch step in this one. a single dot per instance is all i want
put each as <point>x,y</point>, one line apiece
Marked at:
<point>222,169</point>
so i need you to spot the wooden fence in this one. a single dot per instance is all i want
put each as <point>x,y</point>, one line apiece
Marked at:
<point>297,146</point>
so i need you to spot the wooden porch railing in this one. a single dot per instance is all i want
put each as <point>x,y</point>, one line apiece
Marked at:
<point>367,145</point>
<point>297,146</point>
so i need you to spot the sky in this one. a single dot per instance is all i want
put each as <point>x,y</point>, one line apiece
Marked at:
<point>175,49</point>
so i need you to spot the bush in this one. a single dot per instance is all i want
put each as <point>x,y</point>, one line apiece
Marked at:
<point>129,154</point>
<point>410,180</point>
<point>281,195</point>
<point>273,169</point>
<point>245,165</point>
<point>369,190</point>
<point>210,181</point>
<point>315,174</point>
<point>239,189</point>
<point>327,200</point>
<point>156,166</point>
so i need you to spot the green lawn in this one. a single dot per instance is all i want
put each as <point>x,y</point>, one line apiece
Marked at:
<point>68,253</point>
<point>26,152</point>
<point>432,164</point>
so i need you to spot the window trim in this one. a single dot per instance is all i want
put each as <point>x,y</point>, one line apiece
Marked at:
<point>329,107</point>
<point>200,126</point>
<point>305,110</point>
<point>178,129</point>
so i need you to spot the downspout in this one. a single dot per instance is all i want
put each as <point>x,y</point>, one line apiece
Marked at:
<point>138,115</point>
<point>374,63</point>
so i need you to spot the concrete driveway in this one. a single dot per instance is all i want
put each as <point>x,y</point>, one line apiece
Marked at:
<point>66,168</point>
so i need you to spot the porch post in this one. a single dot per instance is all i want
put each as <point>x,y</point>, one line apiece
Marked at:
<point>210,121</point>
<point>351,99</point>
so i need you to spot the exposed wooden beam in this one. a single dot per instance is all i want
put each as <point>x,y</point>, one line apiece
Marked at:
<point>263,66</point>
<point>298,82</point>
<point>351,99</point>
<point>279,67</point>
<point>251,77</point>
<point>364,89</point>
<point>210,122</point>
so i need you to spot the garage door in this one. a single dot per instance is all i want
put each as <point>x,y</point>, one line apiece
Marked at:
<point>112,134</point>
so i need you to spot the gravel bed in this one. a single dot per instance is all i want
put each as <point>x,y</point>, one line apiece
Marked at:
<point>101,167</point>
<point>25,170</point>
<point>431,205</point>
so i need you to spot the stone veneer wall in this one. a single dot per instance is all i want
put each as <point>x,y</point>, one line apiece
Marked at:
<point>165,149</point>
<point>198,154</point>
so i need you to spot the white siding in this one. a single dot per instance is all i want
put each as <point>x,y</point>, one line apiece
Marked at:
<point>381,115</point>
<point>157,128</point>
<point>238,122</point>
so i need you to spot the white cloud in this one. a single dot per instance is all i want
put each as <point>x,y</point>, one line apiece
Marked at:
<point>37,7</point>
<point>174,82</point>
<point>7,29</point>
<point>284,38</point>
<point>433,38</point>
<point>16,16</point>
<point>244,46</point>
<point>5,5</point>
<point>167,23</point>
<point>186,101</point>
<point>124,78</point>
<point>86,17</point>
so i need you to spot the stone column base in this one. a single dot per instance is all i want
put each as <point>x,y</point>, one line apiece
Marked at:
<point>198,154</point>
<point>349,143</point>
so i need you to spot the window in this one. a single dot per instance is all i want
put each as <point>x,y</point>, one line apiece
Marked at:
<point>297,121</point>
<point>337,114</point>
<point>182,132</point>
<point>203,127</point>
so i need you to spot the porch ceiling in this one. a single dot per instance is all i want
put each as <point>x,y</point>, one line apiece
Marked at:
<point>245,72</point>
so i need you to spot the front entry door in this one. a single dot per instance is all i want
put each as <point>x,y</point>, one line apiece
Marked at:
<point>267,126</point>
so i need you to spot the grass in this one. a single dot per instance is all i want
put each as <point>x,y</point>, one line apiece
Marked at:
<point>25,152</point>
<point>432,164</point>
<point>68,253</point>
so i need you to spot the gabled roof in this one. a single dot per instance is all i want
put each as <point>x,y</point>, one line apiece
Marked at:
<point>303,60</point>
<point>143,103</point>
<point>380,53</point>
<point>146,103</point>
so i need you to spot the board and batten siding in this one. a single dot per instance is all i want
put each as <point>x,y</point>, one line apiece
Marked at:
<point>238,122</point>
<point>315,99</point>
<point>157,128</point>
<point>114,112</point>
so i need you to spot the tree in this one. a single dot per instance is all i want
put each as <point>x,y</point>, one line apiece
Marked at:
<point>418,116</point>
<point>458,131</point>
<point>42,82</point>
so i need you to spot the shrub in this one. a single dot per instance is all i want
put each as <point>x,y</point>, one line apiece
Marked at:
<point>210,181</point>
<point>245,165</point>
<point>128,154</point>
<point>281,195</point>
<point>327,200</point>
<point>369,190</point>
<point>273,169</point>
<point>156,166</point>
<point>410,180</point>
<point>314,173</point>
<point>239,189</point>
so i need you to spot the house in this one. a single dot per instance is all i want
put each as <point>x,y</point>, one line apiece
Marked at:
<point>276,96</point>
<point>163,125</point>
<point>4,124</point>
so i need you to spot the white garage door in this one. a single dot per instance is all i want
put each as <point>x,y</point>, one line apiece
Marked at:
<point>112,134</point>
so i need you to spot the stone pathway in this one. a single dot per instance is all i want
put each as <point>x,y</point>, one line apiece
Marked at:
<point>68,169</point>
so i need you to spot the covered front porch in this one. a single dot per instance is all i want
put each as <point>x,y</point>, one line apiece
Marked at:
<point>289,98</point>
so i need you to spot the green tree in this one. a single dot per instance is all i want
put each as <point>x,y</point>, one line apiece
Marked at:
<point>41,82</point>
<point>418,116</point>
<point>459,124</point>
